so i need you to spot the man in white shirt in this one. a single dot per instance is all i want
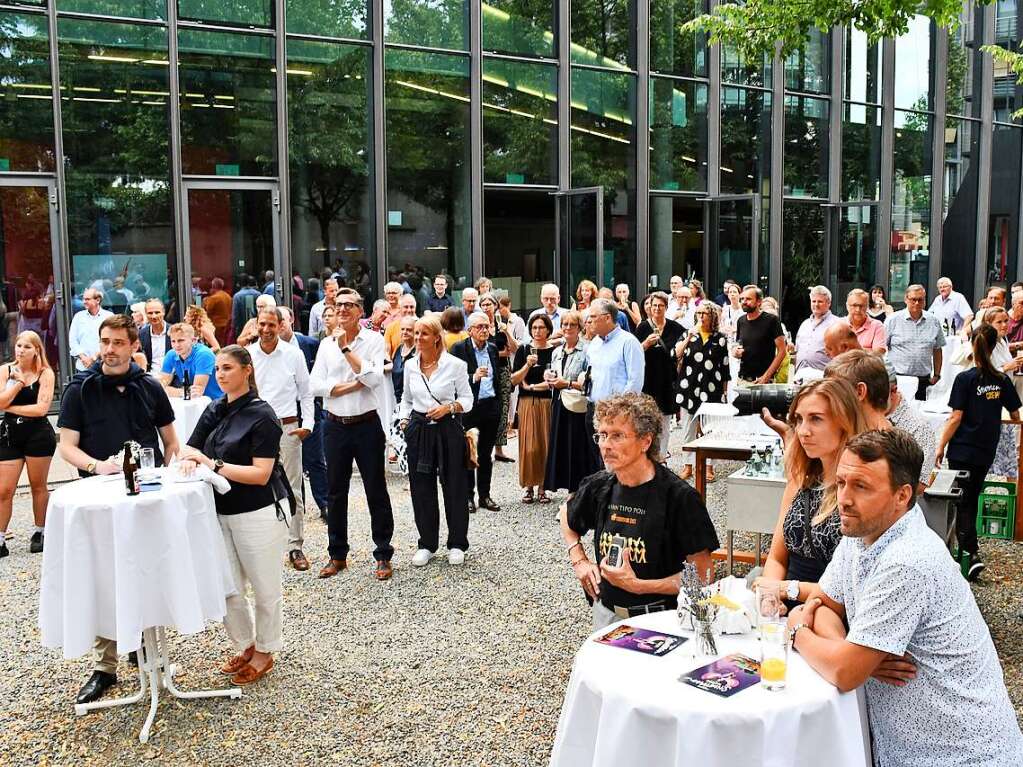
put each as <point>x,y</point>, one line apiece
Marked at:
<point>83,337</point>
<point>550,297</point>
<point>679,309</point>
<point>283,382</point>
<point>951,308</point>
<point>154,337</point>
<point>348,375</point>
<point>316,313</point>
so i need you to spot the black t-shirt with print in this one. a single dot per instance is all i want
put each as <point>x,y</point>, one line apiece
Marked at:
<point>663,521</point>
<point>981,401</point>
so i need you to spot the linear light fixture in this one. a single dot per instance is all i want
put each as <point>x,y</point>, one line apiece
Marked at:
<point>114,59</point>
<point>33,96</point>
<point>97,101</point>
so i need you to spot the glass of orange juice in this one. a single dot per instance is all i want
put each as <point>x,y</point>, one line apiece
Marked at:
<point>774,648</point>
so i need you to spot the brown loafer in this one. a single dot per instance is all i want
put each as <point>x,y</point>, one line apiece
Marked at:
<point>249,675</point>
<point>384,570</point>
<point>298,560</point>
<point>333,568</point>
<point>233,665</point>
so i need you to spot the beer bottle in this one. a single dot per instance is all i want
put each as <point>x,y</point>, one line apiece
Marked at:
<point>186,384</point>
<point>130,466</point>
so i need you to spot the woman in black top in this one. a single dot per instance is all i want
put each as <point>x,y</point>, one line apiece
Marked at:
<point>238,436</point>
<point>658,335</point>
<point>501,337</point>
<point>534,411</point>
<point>26,437</point>
<point>971,433</point>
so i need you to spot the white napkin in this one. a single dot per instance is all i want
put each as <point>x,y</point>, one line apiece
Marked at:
<point>204,474</point>
<point>739,621</point>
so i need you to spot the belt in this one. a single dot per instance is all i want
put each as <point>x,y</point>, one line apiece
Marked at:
<point>289,419</point>
<point>629,612</point>
<point>348,420</point>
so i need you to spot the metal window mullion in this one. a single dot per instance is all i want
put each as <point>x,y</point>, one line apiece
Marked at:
<point>642,274</point>
<point>882,272</point>
<point>379,148</point>
<point>713,142</point>
<point>564,95</point>
<point>283,171</point>
<point>475,140</point>
<point>182,259</point>
<point>938,156</point>
<point>776,221</point>
<point>984,152</point>
<point>836,116</point>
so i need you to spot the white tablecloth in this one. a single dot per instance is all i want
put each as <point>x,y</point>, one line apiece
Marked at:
<point>186,415</point>
<point>626,708</point>
<point>116,564</point>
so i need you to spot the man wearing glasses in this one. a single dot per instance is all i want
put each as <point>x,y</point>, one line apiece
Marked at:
<point>661,518</point>
<point>915,339</point>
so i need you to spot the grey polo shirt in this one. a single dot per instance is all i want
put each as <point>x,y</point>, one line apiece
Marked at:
<point>911,343</point>
<point>904,594</point>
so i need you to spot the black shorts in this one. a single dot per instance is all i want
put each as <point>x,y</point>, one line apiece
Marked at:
<point>26,438</point>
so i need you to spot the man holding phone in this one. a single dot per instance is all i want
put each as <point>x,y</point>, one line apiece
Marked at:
<point>657,518</point>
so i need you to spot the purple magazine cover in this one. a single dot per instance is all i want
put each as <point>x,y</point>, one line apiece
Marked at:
<point>641,640</point>
<point>725,676</point>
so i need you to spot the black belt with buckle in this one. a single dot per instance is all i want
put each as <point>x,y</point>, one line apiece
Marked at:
<point>348,420</point>
<point>634,610</point>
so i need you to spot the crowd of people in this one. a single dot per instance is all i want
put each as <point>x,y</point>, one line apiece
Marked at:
<point>592,391</point>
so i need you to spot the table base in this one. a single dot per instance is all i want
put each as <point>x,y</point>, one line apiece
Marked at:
<point>155,672</point>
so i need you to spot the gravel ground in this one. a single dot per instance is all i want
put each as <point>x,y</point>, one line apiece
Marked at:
<point>440,666</point>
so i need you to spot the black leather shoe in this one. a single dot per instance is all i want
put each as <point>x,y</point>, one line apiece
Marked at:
<point>35,546</point>
<point>472,507</point>
<point>3,549</point>
<point>98,683</point>
<point>489,504</point>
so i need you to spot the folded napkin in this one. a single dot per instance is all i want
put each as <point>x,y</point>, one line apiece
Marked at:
<point>202,474</point>
<point>741,620</point>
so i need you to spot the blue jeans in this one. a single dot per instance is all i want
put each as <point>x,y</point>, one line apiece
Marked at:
<point>313,462</point>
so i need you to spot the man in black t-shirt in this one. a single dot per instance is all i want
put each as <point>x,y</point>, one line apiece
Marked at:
<point>662,519</point>
<point>111,403</point>
<point>761,342</point>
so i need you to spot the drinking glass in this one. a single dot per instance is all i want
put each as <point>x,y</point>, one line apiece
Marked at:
<point>550,376</point>
<point>774,649</point>
<point>147,461</point>
<point>768,604</point>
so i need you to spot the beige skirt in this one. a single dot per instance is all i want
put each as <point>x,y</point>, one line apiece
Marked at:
<point>534,435</point>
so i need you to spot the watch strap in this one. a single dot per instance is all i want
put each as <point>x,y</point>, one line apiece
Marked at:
<point>793,631</point>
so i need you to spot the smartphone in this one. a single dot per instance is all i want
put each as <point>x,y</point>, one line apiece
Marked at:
<point>614,553</point>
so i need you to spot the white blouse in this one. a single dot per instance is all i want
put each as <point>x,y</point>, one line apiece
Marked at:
<point>449,383</point>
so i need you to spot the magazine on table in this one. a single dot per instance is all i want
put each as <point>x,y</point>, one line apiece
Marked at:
<point>641,640</point>
<point>725,676</point>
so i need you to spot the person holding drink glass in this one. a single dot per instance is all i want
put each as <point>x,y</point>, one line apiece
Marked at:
<point>533,376</point>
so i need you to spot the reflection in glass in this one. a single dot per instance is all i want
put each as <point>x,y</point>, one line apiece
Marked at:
<point>518,240</point>
<point>857,248</point>
<point>1003,224</point>
<point>428,214</point>
<point>228,112</point>
<point>806,147</point>
<point>26,106</point>
<point>673,51</point>
<point>520,122</point>
<point>519,26</point>
<point>116,141</point>
<point>676,238</point>
<point>745,140</point>
<point>809,68</point>
<point>135,9</point>
<point>334,18</point>
<point>914,65</point>
<point>603,33</point>
<point>255,13</point>
<point>1008,94</point>
<point>959,225</point>
<point>579,221</point>
<point>963,78</point>
<point>678,134</point>
<point>911,201</point>
<point>733,229</point>
<point>330,156</point>
<point>433,23</point>
<point>735,69</point>
<point>802,258</point>
<point>861,68</point>
<point>861,152</point>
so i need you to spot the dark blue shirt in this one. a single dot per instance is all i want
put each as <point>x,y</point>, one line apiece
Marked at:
<point>435,304</point>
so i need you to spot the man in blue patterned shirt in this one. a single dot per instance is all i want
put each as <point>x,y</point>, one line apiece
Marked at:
<point>917,640</point>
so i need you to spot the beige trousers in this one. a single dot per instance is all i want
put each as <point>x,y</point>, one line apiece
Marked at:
<point>291,460</point>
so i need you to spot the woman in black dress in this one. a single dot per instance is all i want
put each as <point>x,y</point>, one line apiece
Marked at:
<point>531,362</point>
<point>569,455</point>
<point>658,336</point>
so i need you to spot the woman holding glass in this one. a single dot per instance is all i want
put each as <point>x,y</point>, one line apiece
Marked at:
<point>502,337</point>
<point>569,456</point>
<point>532,374</point>
<point>658,336</point>
<point>631,308</point>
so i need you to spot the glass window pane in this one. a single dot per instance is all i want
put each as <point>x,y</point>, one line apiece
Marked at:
<point>735,69</point>
<point>330,156</point>
<point>428,214</point>
<point>678,134</point>
<point>809,68</point>
<point>133,9</point>
<point>914,65</point>
<point>519,26</point>
<point>334,18</point>
<point>803,248</point>
<point>745,140</point>
<point>520,123</point>
<point>964,65</point>
<point>518,241</point>
<point>862,68</point>
<point>603,33</point>
<point>116,116</point>
<point>1003,223</point>
<point>256,13</point>
<point>806,147</point>
<point>911,203</point>
<point>959,224</point>
<point>1008,94</point>
<point>857,248</point>
<point>434,23</point>
<point>228,111</point>
<point>671,50</point>
<point>26,109</point>
<point>676,239</point>
<point>861,152</point>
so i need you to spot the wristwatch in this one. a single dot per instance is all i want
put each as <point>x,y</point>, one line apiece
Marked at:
<point>346,349</point>
<point>218,464</point>
<point>91,467</point>
<point>792,590</point>
<point>793,631</point>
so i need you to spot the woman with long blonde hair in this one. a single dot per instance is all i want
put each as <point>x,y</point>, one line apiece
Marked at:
<point>585,295</point>
<point>823,417</point>
<point>204,329</point>
<point>26,437</point>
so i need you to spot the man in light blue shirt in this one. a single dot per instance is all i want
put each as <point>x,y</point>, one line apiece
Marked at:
<point>616,358</point>
<point>83,337</point>
<point>195,359</point>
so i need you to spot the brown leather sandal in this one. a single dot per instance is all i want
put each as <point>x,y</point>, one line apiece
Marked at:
<point>233,665</point>
<point>249,675</point>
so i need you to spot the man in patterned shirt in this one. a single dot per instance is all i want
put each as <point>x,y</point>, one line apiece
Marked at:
<point>917,640</point>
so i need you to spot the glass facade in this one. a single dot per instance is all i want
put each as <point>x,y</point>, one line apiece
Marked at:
<point>227,143</point>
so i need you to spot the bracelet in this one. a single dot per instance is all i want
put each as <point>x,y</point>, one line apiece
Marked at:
<point>581,559</point>
<point>577,543</point>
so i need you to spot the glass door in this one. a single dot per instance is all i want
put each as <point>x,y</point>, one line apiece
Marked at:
<point>29,260</point>
<point>733,227</point>
<point>580,239</point>
<point>852,245</point>
<point>232,236</point>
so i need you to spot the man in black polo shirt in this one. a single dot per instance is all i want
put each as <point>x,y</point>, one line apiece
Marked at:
<point>662,519</point>
<point>110,403</point>
<point>761,342</point>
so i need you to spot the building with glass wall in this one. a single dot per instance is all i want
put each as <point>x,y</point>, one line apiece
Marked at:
<point>527,140</point>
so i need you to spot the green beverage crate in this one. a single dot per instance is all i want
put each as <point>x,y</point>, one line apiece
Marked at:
<point>996,514</point>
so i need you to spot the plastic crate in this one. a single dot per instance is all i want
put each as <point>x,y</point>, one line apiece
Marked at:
<point>996,513</point>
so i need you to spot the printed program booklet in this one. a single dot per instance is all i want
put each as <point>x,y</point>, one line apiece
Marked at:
<point>641,640</point>
<point>725,676</point>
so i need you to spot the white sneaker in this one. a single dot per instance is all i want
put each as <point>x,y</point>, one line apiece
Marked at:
<point>422,557</point>
<point>456,557</point>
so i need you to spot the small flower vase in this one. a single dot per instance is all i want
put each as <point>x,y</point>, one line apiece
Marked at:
<point>703,636</point>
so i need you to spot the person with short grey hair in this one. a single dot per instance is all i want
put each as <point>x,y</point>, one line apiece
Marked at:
<point>810,351</point>
<point>915,341</point>
<point>951,308</point>
<point>83,336</point>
